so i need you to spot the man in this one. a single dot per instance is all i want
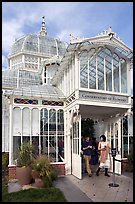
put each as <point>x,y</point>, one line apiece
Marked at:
<point>87,151</point>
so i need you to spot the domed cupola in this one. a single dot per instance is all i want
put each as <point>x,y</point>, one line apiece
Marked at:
<point>28,51</point>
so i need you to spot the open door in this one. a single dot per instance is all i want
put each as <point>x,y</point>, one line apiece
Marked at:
<point>115,142</point>
<point>76,147</point>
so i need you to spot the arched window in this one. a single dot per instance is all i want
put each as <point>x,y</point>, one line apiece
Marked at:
<point>44,122</point>
<point>100,68</point>
<point>84,69</point>
<point>92,68</point>
<point>17,127</point>
<point>35,121</point>
<point>60,122</point>
<point>26,121</point>
<point>17,130</point>
<point>52,121</point>
<point>123,76</point>
<point>116,73</point>
<point>108,66</point>
<point>35,130</point>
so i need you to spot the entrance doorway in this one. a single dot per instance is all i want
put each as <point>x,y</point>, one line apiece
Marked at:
<point>104,120</point>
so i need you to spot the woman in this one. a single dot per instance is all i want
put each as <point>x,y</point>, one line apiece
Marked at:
<point>103,147</point>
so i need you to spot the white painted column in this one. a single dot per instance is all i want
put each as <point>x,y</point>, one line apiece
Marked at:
<point>105,124</point>
<point>68,147</point>
<point>128,78</point>
<point>56,137</point>
<point>65,81</point>
<point>112,77</point>
<point>96,73</point>
<point>39,132</point>
<point>21,123</point>
<point>88,74</point>
<point>122,138</point>
<point>10,134</point>
<point>70,82</point>
<point>77,68</point>
<point>114,145</point>
<point>120,75</point>
<point>104,75</point>
<point>128,130</point>
<point>119,136</point>
<point>65,142</point>
<point>30,115</point>
<point>73,75</point>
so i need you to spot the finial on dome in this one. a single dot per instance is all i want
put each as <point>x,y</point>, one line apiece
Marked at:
<point>43,31</point>
<point>110,29</point>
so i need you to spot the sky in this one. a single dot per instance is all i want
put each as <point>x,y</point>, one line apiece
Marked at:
<point>82,19</point>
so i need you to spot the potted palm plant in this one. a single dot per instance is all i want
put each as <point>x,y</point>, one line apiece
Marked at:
<point>24,161</point>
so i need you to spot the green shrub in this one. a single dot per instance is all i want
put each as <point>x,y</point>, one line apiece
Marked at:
<point>53,173</point>
<point>24,154</point>
<point>46,172</point>
<point>5,162</point>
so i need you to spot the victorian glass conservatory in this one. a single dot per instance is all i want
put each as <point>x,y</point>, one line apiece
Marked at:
<point>50,87</point>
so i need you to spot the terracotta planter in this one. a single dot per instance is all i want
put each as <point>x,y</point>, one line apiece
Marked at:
<point>39,183</point>
<point>23,174</point>
<point>35,174</point>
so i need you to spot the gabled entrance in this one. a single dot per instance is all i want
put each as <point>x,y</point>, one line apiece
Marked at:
<point>106,121</point>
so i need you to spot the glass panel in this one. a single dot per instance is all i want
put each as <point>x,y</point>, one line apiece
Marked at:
<point>130,123</point>
<point>125,137</point>
<point>26,121</point>
<point>60,121</point>
<point>52,148</point>
<point>123,76</point>
<point>44,145</point>
<point>60,148</point>
<point>52,121</point>
<point>35,145</point>
<point>84,69</point>
<point>16,145</point>
<point>116,73</point>
<point>44,122</point>
<point>25,101</point>
<point>125,126</point>
<point>52,103</point>
<point>116,136</point>
<point>108,65</point>
<point>92,69</point>
<point>100,64</point>
<point>125,146</point>
<point>35,121</point>
<point>130,145</point>
<point>17,127</point>
<point>76,137</point>
<point>25,139</point>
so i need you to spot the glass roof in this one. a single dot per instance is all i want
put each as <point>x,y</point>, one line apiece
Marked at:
<point>118,46</point>
<point>15,78</point>
<point>38,44</point>
<point>41,91</point>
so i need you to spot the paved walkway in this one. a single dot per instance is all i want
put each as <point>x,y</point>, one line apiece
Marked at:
<point>96,188</point>
<point>90,189</point>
